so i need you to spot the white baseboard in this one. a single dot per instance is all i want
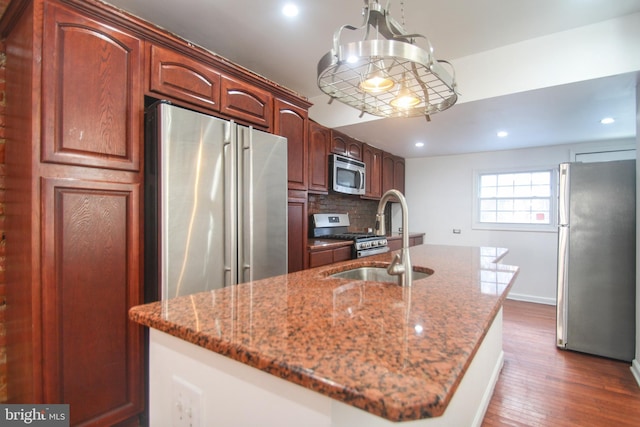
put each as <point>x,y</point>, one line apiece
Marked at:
<point>531,298</point>
<point>635,369</point>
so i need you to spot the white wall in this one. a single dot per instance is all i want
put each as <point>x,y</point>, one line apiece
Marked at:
<point>440,192</point>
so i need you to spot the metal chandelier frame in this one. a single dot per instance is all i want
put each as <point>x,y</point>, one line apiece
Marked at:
<point>389,75</point>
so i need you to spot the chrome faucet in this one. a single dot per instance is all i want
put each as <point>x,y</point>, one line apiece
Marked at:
<point>401,264</point>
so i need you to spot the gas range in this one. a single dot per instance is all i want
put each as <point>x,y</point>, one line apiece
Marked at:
<point>336,226</point>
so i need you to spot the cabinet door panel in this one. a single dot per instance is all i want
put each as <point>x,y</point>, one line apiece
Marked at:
<point>388,172</point>
<point>291,122</point>
<point>297,230</point>
<point>398,174</point>
<point>372,158</point>
<point>94,351</point>
<point>319,142</point>
<point>339,143</point>
<point>178,76</point>
<point>246,102</point>
<point>342,254</point>
<point>318,258</point>
<point>91,97</point>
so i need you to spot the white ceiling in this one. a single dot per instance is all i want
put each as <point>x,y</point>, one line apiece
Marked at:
<point>254,34</point>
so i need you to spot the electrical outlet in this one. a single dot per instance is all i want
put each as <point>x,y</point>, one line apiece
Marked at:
<point>186,401</point>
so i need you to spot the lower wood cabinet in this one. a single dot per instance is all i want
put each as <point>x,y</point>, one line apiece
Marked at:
<point>92,353</point>
<point>395,242</point>
<point>297,230</point>
<point>319,258</point>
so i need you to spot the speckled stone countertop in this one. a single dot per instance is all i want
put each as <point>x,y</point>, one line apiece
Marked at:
<point>398,353</point>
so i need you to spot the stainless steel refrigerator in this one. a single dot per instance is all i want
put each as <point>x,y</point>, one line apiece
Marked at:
<point>215,203</point>
<point>597,258</point>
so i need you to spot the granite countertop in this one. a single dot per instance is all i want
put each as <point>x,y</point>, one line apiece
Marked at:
<point>398,353</point>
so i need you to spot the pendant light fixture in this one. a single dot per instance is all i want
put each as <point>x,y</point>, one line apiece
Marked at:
<point>386,74</point>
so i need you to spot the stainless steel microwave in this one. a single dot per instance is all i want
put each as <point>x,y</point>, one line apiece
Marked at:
<point>346,175</point>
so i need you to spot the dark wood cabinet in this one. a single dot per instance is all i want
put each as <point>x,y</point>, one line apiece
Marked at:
<point>319,144</point>
<point>91,85</point>
<point>416,240</point>
<point>395,242</point>
<point>247,102</point>
<point>318,258</point>
<point>74,92</point>
<point>175,75</point>
<point>291,121</point>
<point>92,351</point>
<point>297,230</point>
<point>398,174</point>
<point>372,158</point>
<point>345,145</point>
<point>393,171</point>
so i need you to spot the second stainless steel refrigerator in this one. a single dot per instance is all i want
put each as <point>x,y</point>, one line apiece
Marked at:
<point>215,203</point>
<point>597,258</point>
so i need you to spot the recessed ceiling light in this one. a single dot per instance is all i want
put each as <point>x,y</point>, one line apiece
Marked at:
<point>607,120</point>
<point>419,144</point>
<point>502,134</point>
<point>290,10</point>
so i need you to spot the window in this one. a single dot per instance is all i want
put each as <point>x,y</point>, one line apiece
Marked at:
<point>516,200</point>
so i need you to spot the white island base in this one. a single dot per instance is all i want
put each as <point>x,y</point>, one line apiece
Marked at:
<point>192,386</point>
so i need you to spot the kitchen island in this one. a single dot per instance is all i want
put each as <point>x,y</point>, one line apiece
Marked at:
<point>339,352</point>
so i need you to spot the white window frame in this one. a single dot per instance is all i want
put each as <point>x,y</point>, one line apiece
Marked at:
<point>553,208</point>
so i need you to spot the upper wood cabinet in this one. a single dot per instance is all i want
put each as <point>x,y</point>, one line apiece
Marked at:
<point>319,144</point>
<point>246,102</point>
<point>291,122</point>
<point>91,92</point>
<point>177,76</point>
<point>372,158</point>
<point>345,145</point>
<point>399,174</point>
<point>393,169</point>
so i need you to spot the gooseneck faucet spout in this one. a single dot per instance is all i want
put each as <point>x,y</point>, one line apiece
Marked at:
<point>401,264</point>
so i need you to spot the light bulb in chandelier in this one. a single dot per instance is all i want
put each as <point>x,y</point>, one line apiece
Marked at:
<point>405,98</point>
<point>376,80</point>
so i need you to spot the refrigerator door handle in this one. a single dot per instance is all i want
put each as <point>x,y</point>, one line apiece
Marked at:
<point>563,196</point>
<point>245,198</point>
<point>561,304</point>
<point>230,210</point>
<point>563,256</point>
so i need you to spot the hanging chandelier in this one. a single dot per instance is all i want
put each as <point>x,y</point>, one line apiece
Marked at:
<point>386,74</point>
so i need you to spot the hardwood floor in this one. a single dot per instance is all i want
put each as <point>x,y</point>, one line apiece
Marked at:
<point>542,386</point>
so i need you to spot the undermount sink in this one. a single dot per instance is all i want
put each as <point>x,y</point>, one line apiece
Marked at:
<point>378,274</point>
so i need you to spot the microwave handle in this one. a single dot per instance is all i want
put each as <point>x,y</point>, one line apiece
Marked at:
<point>361,173</point>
